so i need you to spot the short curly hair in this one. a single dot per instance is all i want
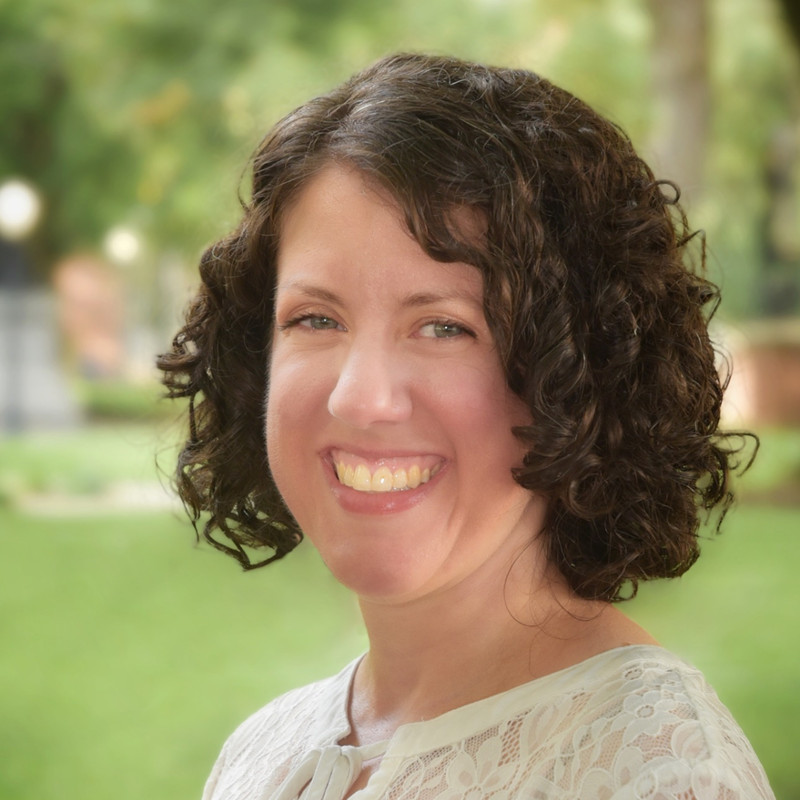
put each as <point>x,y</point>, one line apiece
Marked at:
<point>598,313</point>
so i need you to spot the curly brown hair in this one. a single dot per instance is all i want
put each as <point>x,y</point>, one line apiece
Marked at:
<point>599,317</point>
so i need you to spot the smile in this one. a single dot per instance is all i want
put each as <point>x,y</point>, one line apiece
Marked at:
<point>387,475</point>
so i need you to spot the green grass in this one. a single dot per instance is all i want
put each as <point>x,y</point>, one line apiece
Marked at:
<point>735,616</point>
<point>778,459</point>
<point>84,460</point>
<point>119,400</point>
<point>128,654</point>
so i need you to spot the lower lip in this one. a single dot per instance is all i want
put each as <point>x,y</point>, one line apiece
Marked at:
<point>378,502</point>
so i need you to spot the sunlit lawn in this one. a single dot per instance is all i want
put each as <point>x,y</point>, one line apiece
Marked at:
<point>736,615</point>
<point>128,654</point>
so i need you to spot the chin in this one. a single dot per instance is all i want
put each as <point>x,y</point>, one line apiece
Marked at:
<point>378,580</point>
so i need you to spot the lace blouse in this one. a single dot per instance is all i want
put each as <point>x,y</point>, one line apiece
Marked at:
<point>634,722</point>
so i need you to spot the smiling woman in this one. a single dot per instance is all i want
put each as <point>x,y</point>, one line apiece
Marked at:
<point>397,403</point>
<point>456,341</point>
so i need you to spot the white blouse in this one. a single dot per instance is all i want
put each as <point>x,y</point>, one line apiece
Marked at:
<point>634,722</point>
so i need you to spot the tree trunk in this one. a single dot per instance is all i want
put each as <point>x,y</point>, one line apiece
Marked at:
<point>791,14</point>
<point>682,93</point>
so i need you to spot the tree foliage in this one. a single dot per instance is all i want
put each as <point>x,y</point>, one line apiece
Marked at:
<point>143,113</point>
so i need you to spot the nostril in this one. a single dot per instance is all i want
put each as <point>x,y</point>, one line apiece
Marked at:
<point>369,390</point>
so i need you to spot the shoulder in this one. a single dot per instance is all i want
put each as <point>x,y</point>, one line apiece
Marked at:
<point>263,748</point>
<point>314,708</point>
<point>662,732</point>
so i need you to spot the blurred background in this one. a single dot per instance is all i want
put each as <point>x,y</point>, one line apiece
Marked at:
<point>127,654</point>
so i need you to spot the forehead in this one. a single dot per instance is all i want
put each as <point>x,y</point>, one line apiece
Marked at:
<point>342,226</point>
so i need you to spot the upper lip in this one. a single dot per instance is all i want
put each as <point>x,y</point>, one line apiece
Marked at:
<point>378,457</point>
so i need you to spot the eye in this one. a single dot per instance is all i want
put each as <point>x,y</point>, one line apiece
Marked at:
<point>319,322</point>
<point>444,329</point>
<point>315,322</point>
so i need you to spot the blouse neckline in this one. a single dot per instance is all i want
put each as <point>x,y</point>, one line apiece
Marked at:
<point>461,722</point>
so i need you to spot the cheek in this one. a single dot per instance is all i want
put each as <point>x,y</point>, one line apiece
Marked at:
<point>481,405</point>
<point>290,397</point>
<point>293,380</point>
<point>296,419</point>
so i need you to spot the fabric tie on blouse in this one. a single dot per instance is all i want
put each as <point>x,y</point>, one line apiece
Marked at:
<point>328,771</point>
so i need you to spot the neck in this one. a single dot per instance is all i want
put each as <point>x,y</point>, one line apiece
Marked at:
<point>474,640</point>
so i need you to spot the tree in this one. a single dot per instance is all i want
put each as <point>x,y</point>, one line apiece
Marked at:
<point>682,92</point>
<point>781,244</point>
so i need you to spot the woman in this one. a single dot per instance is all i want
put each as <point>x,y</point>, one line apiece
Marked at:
<point>457,307</point>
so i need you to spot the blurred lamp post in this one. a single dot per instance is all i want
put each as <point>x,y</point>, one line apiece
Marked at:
<point>20,209</point>
<point>122,245</point>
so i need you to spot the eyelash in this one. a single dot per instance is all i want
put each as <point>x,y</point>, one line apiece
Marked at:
<point>449,323</point>
<point>299,320</point>
<point>458,329</point>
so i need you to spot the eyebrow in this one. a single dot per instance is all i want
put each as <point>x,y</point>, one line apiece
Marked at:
<point>413,300</point>
<point>316,292</point>
<point>429,298</point>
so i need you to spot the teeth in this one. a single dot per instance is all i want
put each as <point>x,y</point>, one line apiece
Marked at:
<point>400,479</point>
<point>362,480</point>
<point>383,479</point>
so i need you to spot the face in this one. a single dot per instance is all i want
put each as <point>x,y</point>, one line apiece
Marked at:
<point>388,417</point>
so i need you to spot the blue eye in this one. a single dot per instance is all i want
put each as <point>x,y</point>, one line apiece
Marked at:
<point>443,329</point>
<point>313,322</point>
<point>319,323</point>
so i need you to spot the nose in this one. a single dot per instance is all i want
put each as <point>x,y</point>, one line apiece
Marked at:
<point>371,387</point>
